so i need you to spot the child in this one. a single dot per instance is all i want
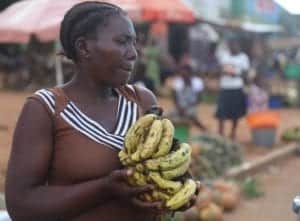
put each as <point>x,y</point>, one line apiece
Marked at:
<point>257,96</point>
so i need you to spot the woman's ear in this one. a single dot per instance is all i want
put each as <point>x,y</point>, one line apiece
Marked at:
<point>82,48</point>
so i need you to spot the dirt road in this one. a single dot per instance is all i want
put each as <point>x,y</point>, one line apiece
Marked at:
<point>280,184</point>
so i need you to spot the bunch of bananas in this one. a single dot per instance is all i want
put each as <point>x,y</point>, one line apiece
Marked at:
<point>156,159</point>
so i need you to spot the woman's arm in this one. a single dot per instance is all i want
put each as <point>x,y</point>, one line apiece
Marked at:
<point>27,195</point>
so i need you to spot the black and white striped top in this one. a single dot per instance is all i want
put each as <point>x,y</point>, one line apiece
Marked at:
<point>127,114</point>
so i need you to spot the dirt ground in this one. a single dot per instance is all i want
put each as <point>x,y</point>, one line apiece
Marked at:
<point>279,182</point>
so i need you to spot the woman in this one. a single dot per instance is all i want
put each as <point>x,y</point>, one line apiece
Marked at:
<point>232,99</point>
<point>64,161</point>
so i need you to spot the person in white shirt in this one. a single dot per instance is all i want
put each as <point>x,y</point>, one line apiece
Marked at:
<point>186,95</point>
<point>232,102</point>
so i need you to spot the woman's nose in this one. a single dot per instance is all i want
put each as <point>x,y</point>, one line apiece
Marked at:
<point>132,53</point>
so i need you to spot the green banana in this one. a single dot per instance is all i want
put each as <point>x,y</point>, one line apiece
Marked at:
<point>136,131</point>
<point>168,185</point>
<point>165,143</point>
<point>176,172</point>
<point>152,139</point>
<point>172,160</point>
<point>183,196</point>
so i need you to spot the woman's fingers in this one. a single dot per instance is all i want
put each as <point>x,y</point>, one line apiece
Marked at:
<point>135,191</point>
<point>199,187</point>
<point>157,206</point>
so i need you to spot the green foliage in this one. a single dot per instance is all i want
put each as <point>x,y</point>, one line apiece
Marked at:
<point>251,188</point>
<point>169,218</point>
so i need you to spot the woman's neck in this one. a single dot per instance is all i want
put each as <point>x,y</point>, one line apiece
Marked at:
<point>85,88</point>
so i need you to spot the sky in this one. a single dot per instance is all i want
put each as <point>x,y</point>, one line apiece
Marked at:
<point>292,6</point>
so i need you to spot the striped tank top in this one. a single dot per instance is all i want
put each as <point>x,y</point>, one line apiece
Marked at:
<point>127,113</point>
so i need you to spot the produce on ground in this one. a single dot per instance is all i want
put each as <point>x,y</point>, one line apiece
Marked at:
<point>291,134</point>
<point>213,155</point>
<point>213,200</point>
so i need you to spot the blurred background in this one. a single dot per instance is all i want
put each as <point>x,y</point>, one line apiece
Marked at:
<point>250,175</point>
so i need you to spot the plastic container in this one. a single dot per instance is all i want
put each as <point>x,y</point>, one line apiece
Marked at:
<point>275,102</point>
<point>263,119</point>
<point>264,136</point>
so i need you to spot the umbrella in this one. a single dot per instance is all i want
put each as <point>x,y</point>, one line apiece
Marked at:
<point>42,17</point>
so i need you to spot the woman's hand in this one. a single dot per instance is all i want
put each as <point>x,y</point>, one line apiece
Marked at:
<point>229,70</point>
<point>118,186</point>
<point>187,206</point>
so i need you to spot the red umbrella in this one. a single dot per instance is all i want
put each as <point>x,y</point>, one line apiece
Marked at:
<point>42,17</point>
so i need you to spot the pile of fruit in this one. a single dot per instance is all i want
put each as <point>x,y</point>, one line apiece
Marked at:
<point>213,155</point>
<point>222,196</point>
<point>156,158</point>
<point>291,134</point>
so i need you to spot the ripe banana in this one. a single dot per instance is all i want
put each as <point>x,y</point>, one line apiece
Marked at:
<point>183,196</point>
<point>139,178</point>
<point>124,158</point>
<point>136,130</point>
<point>148,197</point>
<point>160,196</point>
<point>136,156</point>
<point>165,143</point>
<point>168,185</point>
<point>140,168</point>
<point>176,172</point>
<point>152,139</point>
<point>172,160</point>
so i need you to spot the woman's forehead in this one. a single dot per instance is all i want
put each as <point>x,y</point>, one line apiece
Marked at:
<point>119,25</point>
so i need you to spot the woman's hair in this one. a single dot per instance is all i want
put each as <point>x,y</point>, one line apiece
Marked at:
<point>82,20</point>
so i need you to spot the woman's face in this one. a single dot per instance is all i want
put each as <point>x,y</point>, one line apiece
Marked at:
<point>113,53</point>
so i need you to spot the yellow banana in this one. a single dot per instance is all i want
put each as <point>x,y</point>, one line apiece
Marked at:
<point>140,168</point>
<point>136,156</point>
<point>168,185</point>
<point>124,158</point>
<point>147,197</point>
<point>158,195</point>
<point>176,172</point>
<point>165,143</point>
<point>172,160</point>
<point>139,178</point>
<point>152,139</point>
<point>183,196</point>
<point>136,130</point>
<point>177,157</point>
<point>131,181</point>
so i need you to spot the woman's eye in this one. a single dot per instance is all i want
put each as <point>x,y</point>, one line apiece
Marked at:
<point>122,41</point>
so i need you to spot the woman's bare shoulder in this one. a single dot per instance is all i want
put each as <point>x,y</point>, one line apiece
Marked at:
<point>146,97</point>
